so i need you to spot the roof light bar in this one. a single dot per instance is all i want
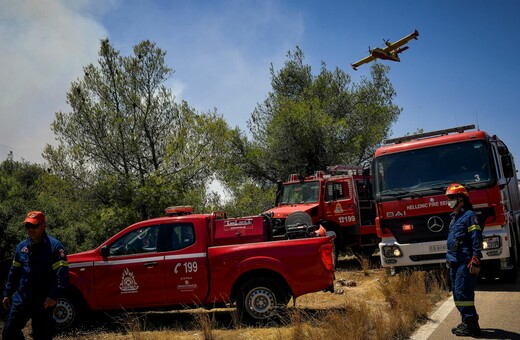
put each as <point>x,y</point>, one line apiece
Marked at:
<point>458,129</point>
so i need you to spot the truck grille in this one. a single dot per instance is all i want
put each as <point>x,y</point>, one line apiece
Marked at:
<point>426,228</point>
<point>439,228</point>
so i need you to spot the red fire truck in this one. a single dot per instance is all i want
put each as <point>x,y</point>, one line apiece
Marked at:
<point>340,201</point>
<point>187,259</point>
<point>410,177</point>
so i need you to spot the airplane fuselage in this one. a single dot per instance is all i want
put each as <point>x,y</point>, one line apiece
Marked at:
<point>384,55</point>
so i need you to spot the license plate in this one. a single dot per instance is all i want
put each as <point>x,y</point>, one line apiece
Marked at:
<point>435,249</point>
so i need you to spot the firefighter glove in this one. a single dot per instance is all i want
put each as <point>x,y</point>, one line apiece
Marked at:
<point>474,266</point>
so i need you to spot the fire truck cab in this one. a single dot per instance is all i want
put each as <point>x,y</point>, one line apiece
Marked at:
<point>411,175</point>
<point>339,200</point>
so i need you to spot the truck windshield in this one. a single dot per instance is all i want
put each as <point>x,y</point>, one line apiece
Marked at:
<point>432,168</point>
<point>302,192</point>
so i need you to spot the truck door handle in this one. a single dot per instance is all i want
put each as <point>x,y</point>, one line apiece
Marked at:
<point>150,264</point>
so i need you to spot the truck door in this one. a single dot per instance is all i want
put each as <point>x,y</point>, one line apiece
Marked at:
<point>186,263</point>
<point>133,274</point>
<point>339,202</point>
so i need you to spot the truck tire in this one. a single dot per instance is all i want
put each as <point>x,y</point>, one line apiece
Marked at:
<point>260,301</point>
<point>298,217</point>
<point>68,311</point>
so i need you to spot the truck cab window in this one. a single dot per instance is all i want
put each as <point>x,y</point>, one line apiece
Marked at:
<point>433,167</point>
<point>138,241</point>
<point>180,236</point>
<point>301,192</point>
<point>334,191</point>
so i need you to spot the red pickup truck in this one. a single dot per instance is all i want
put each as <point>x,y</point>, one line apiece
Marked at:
<point>198,260</point>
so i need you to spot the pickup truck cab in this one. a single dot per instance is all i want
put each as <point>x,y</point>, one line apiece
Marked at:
<point>187,259</point>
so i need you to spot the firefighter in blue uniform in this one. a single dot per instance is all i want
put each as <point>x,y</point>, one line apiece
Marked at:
<point>38,273</point>
<point>463,255</point>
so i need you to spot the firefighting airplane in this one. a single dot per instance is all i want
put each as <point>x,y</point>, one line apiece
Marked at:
<point>390,52</point>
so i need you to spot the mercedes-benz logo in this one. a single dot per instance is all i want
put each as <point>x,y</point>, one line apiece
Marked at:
<point>435,224</point>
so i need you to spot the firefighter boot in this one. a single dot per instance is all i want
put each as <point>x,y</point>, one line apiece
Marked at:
<point>469,328</point>
<point>460,325</point>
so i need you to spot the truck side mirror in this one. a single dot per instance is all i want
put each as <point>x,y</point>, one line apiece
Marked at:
<point>507,166</point>
<point>279,190</point>
<point>105,251</point>
<point>503,150</point>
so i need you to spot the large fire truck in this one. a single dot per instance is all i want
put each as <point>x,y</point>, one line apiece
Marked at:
<point>410,177</point>
<point>339,200</point>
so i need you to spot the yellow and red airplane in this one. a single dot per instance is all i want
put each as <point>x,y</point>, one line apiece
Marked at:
<point>390,52</point>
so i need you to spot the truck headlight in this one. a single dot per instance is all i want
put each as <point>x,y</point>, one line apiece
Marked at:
<point>491,242</point>
<point>392,251</point>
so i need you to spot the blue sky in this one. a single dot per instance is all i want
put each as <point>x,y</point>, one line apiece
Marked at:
<point>462,68</point>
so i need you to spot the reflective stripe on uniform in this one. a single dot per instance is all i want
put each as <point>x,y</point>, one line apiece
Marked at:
<point>464,303</point>
<point>473,228</point>
<point>60,264</point>
<point>16,264</point>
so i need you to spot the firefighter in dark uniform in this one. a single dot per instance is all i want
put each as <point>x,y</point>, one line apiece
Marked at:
<point>38,273</point>
<point>463,255</point>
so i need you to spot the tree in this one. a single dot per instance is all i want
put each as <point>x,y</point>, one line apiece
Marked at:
<point>308,122</point>
<point>126,142</point>
<point>18,195</point>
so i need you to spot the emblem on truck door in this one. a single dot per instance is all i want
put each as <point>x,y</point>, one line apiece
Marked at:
<point>128,283</point>
<point>435,224</point>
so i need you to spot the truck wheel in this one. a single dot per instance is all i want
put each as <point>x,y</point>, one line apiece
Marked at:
<point>261,300</point>
<point>67,312</point>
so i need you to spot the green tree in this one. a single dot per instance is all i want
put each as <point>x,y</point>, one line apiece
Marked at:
<point>18,195</point>
<point>26,187</point>
<point>127,143</point>
<point>308,122</point>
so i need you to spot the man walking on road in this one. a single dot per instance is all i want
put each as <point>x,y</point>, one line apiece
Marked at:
<point>463,255</point>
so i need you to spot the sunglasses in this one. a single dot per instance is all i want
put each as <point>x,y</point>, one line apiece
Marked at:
<point>32,226</point>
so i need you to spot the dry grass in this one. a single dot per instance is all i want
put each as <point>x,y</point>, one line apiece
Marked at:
<point>366,304</point>
<point>378,307</point>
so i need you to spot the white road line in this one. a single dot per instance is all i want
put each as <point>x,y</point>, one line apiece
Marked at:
<point>435,319</point>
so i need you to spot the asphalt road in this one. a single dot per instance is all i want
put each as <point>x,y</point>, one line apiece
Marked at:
<point>498,306</point>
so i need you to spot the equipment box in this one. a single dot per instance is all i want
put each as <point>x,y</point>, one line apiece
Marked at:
<point>240,230</point>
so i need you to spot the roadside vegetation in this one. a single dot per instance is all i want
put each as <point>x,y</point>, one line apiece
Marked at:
<point>367,304</point>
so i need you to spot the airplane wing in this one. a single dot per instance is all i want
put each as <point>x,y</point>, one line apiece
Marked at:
<point>401,42</point>
<point>363,61</point>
